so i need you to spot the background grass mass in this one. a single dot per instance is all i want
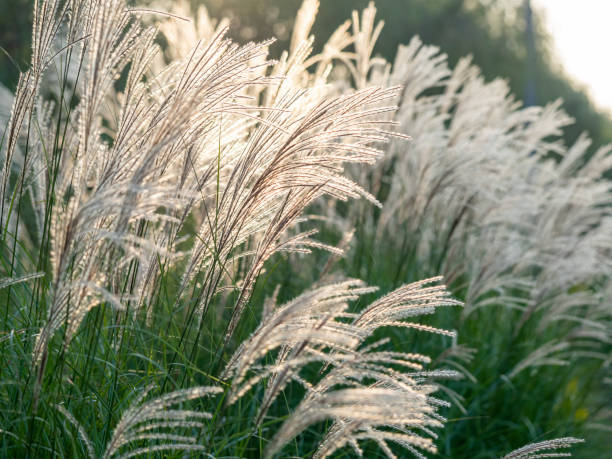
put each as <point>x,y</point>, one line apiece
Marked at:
<point>210,253</point>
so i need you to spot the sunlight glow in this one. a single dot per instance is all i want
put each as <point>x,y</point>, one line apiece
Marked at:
<point>582,34</point>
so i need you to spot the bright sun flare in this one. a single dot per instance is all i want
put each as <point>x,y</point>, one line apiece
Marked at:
<point>582,34</point>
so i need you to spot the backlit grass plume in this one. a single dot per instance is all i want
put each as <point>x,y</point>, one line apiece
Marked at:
<point>544,449</point>
<point>365,390</point>
<point>150,421</point>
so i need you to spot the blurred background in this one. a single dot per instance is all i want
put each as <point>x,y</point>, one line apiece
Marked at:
<point>546,49</point>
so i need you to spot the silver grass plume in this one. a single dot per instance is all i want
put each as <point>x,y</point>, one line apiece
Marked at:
<point>306,164</point>
<point>360,414</point>
<point>303,23</point>
<point>152,421</point>
<point>407,382</point>
<point>95,216</point>
<point>544,449</point>
<point>298,329</point>
<point>116,190</point>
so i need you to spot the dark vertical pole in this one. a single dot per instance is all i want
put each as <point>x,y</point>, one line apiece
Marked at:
<point>530,86</point>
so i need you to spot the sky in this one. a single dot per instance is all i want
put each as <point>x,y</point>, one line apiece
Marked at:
<point>582,34</point>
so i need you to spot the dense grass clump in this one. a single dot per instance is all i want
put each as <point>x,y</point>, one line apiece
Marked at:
<point>206,252</point>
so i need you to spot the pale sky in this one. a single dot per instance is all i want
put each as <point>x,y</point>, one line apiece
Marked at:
<point>582,34</point>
